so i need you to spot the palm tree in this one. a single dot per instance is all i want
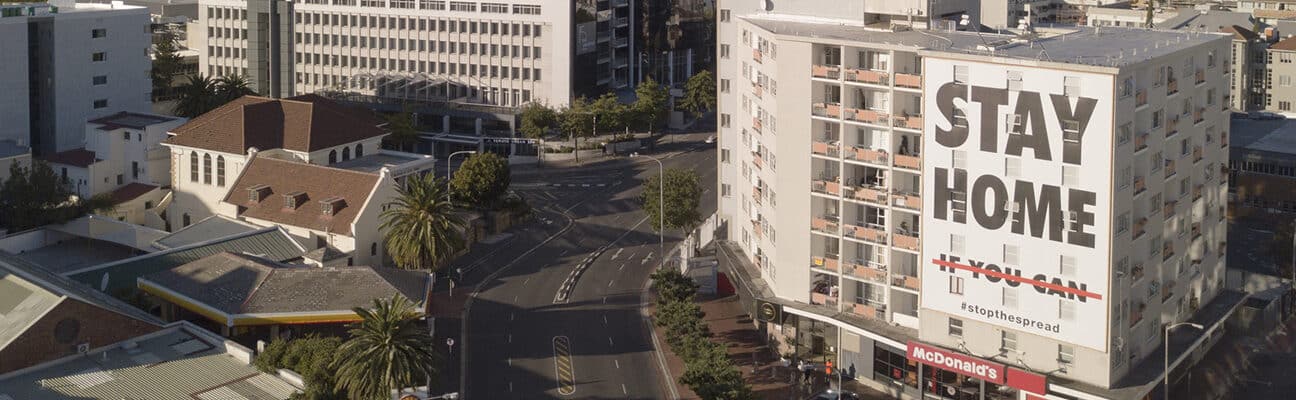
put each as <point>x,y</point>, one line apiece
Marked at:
<point>388,350</point>
<point>230,87</point>
<point>197,96</point>
<point>419,225</point>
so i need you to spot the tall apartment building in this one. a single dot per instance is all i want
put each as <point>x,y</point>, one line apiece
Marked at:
<point>498,54</point>
<point>83,61</point>
<point>974,215</point>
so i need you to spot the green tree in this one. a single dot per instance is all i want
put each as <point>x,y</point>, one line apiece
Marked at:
<point>577,119</point>
<point>312,357</point>
<point>683,191</point>
<point>389,349</point>
<point>673,286</point>
<point>712,376</point>
<point>681,319</point>
<point>699,93</point>
<point>481,180</point>
<point>403,133</point>
<point>650,106</point>
<point>166,62</point>
<point>611,113</point>
<point>419,225</point>
<point>230,87</point>
<point>36,196</point>
<point>537,120</point>
<point>196,96</point>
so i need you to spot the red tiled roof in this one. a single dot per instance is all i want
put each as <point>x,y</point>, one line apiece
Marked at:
<point>1240,33</point>
<point>130,192</point>
<point>1288,44</point>
<point>75,157</point>
<point>316,182</point>
<point>302,123</point>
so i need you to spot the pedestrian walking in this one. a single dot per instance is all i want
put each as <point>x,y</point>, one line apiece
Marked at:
<point>806,369</point>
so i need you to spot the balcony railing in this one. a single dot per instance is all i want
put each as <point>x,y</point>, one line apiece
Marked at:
<point>826,187</point>
<point>822,299</point>
<point>1197,153</point>
<point>868,194</point>
<point>830,110</point>
<point>831,149</point>
<point>906,241</point>
<point>867,155</point>
<point>756,55</point>
<point>1140,227</point>
<point>1168,210</point>
<point>757,125</point>
<point>910,162</point>
<point>866,233</point>
<point>825,224</point>
<point>1197,231</point>
<point>871,274</point>
<point>1137,271</point>
<point>1197,192</point>
<point>1140,98</point>
<point>866,76</point>
<point>758,91</point>
<point>825,71</point>
<point>1199,116</point>
<point>756,194</point>
<point>1140,141</point>
<point>908,81</point>
<point>1167,250</point>
<point>908,121</point>
<point>758,161</point>
<point>828,263</point>
<point>1201,77</point>
<point>1172,87</point>
<point>865,115</point>
<point>623,21</point>
<point>906,200</point>
<point>1172,125</point>
<point>869,311</point>
<point>1140,185</point>
<point>905,281</point>
<point>1136,314</point>
<point>1167,291</point>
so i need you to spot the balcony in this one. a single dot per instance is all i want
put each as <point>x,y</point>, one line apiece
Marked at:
<point>1136,314</point>
<point>1197,192</point>
<point>756,194</point>
<point>828,263</point>
<point>830,110</point>
<point>1169,168</point>
<point>620,3</point>
<point>822,299</point>
<point>1199,116</point>
<point>1167,250</point>
<point>620,42</point>
<point>866,76</point>
<point>1172,125</point>
<point>910,162</point>
<point>825,71</point>
<point>1137,272</point>
<point>1224,140</point>
<point>758,91</point>
<point>866,116</point>
<point>866,194</point>
<point>831,149</point>
<point>1140,98</point>
<point>905,281</point>
<point>906,200</point>
<point>1197,231</point>
<point>758,161</point>
<point>1140,141</point>
<point>1200,77</point>
<point>1172,87</point>
<point>758,229</point>
<point>1140,228</point>
<point>907,121</point>
<point>871,274</point>
<point>1140,185</point>
<point>757,56</point>
<point>623,21</point>
<point>826,224</point>
<point>911,81</point>
<point>1197,154</point>
<point>1167,291</point>
<point>830,187</point>
<point>869,311</point>
<point>875,235</point>
<point>867,155</point>
<point>906,240</point>
<point>1168,209</point>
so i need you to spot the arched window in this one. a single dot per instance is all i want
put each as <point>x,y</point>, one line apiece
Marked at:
<point>193,166</point>
<point>332,156</point>
<point>220,171</point>
<point>359,150</point>
<point>346,153</point>
<point>207,169</point>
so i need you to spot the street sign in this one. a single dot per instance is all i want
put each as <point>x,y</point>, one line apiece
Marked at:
<point>449,341</point>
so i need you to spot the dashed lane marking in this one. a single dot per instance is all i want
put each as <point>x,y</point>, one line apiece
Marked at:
<point>563,368</point>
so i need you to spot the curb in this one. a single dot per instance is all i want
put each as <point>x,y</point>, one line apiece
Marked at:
<point>661,358</point>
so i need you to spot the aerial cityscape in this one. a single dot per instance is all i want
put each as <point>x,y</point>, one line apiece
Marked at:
<point>611,199</point>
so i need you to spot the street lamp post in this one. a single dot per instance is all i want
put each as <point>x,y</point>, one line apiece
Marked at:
<point>448,158</point>
<point>661,204</point>
<point>1166,384</point>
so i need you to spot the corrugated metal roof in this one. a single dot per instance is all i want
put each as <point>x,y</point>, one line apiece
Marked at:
<point>271,243</point>
<point>61,286</point>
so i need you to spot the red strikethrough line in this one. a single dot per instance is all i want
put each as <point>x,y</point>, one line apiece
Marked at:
<point>1016,278</point>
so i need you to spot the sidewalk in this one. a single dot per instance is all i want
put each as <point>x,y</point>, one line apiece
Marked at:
<point>759,364</point>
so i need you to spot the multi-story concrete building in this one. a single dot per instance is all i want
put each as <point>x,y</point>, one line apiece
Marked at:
<point>84,61</point>
<point>498,54</point>
<point>1092,175</point>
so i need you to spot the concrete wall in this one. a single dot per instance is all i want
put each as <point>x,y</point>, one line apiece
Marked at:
<point>90,324</point>
<point>32,240</point>
<point>195,198</point>
<point>1280,82</point>
<point>13,82</point>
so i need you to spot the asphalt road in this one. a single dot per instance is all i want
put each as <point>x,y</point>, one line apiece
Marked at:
<point>520,343</point>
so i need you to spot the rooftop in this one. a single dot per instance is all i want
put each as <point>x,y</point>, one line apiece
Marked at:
<point>399,163</point>
<point>180,362</point>
<point>10,148</point>
<point>309,184</point>
<point>1274,135</point>
<point>1070,45</point>
<point>130,120</point>
<point>76,157</point>
<point>131,191</point>
<point>76,253</point>
<point>303,123</point>
<point>216,226</point>
<point>241,286</point>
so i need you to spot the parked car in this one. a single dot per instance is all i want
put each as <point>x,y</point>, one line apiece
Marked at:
<point>1265,115</point>
<point>710,139</point>
<point>831,394</point>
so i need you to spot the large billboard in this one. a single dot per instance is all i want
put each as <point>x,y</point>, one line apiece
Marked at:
<point>1016,189</point>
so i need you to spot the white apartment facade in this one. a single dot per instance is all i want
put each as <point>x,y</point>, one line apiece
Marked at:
<point>92,59</point>
<point>850,256</point>
<point>489,53</point>
<point>127,148</point>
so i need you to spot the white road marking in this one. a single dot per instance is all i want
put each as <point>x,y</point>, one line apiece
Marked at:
<point>618,253</point>
<point>510,361</point>
<point>510,338</point>
<point>515,298</point>
<point>604,299</point>
<point>610,282</point>
<point>512,315</point>
<point>621,267</point>
<point>511,386</point>
<point>623,389</point>
<point>610,342</point>
<point>632,255</point>
<point>618,363</point>
<point>564,252</point>
<point>604,319</point>
<point>528,280</point>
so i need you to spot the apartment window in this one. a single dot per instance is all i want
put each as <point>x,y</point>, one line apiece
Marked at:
<point>220,171</point>
<point>1122,223</point>
<point>99,57</point>
<point>463,6</point>
<point>193,166</point>
<point>495,8</point>
<point>1157,117</point>
<point>1284,105</point>
<point>1010,297</point>
<point>1066,354</point>
<point>955,285</point>
<point>100,80</point>
<point>101,103</point>
<point>724,51</point>
<point>98,33</point>
<point>724,156</point>
<point>724,86</point>
<point>724,120</point>
<point>207,169</point>
<point>725,190</point>
<point>724,15</point>
<point>1124,134</point>
<point>524,10</point>
<point>1127,87</point>
<point>1008,341</point>
<point>956,327</point>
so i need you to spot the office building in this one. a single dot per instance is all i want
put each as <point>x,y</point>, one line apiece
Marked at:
<point>84,61</point>
<point>480,53</point>
<point>1031,208</point>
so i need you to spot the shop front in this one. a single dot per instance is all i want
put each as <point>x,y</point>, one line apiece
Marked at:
<point>945,374</point>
